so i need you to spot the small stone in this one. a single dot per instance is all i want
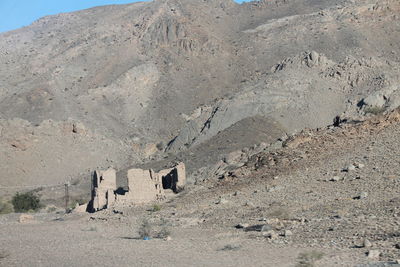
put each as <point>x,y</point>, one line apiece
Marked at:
<point>249,204</point>
<point>275,188</point>
<point>266,228</point>
<point>25,218</point>
<point>366,243</point>
<point>359,165</point>
<point>374,254</point>
<point>349,168</point>
<point>397,246</point>
<point>262,220</point>
<point>168,238</point>
<point>335,179</point>
<point>376,100</point>
<point>258,228</point>
<point>362,195</point>
<point>80,208</point>
<point>271,234</point>
<point>78,128</point>
<point>221,201</point>
<point>242,225</point>
<point>287,233</point>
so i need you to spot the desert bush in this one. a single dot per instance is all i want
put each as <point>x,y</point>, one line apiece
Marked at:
<point>164,232</point>
<point>74,202</point>
<point>160,146</point>
<point>51,209</point>
<point>156,208</point>
<point>5,207</point>
<point>308,259</point>
<point>145,229</point>
<point>25,202</point>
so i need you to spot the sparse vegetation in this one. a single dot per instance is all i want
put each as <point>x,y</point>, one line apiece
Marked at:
<point>25,202</point>
<point>374,110</point>
<point>5,207</point>
<point>145,229</point>
<point>160,146</point>
<point>155,208</point>
<point>75,182</point>
<point>74,202</point>
<point>309,259</point>
<point>51,209</point>
<point>164,232</point>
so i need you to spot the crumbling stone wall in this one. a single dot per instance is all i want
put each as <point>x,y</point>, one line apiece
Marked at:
<point>143,186</point>
<point>174,178</point>
<point>104,184</point>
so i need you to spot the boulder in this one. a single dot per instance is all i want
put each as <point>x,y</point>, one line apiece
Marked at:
<point>80,208</point>
<point>375,100</point>
<point>25,218</point>
<point>374,254</point>
<point>78,128</point>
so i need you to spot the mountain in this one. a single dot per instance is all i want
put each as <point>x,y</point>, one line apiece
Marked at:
<point>149,83</point>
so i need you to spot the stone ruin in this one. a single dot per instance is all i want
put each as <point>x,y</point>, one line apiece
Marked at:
<point>143,186</point>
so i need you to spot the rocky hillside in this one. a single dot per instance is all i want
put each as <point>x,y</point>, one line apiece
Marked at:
<point>209,82</point>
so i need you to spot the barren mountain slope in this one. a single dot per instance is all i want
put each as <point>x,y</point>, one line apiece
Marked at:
<point>171,79</point>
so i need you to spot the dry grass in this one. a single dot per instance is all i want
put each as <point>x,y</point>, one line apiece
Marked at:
<point>5,207</point>
<point>309,259</point>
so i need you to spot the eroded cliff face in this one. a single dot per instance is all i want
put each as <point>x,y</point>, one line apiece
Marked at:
<point>173,79</point>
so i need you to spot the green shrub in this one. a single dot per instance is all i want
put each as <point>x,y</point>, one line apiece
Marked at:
<point>25,202</point>
<point>164,232</point>
<point>156,208</point>
<point>5,207</point>
<point>160,146</point>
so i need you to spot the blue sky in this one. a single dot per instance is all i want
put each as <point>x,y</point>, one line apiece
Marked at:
<point>18,13</point>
